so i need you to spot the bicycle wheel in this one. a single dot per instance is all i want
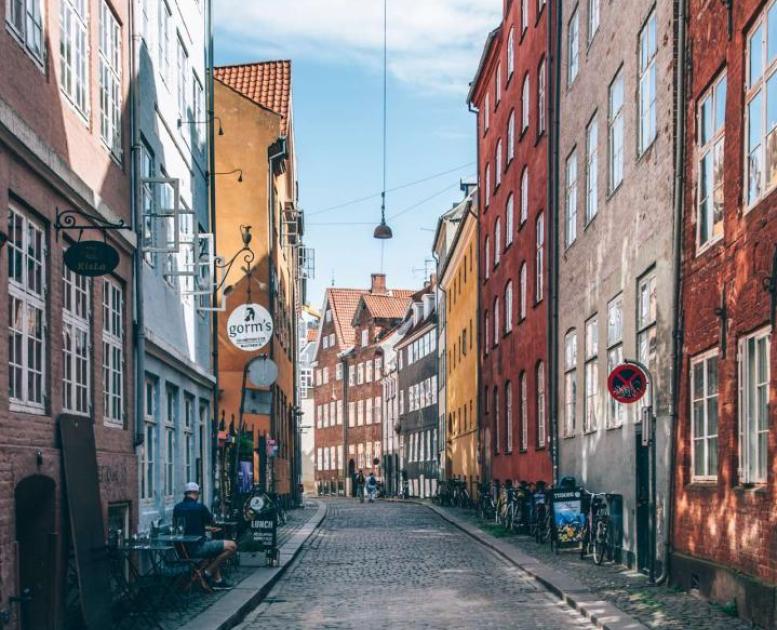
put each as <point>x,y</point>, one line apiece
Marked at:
<point>600,542</point>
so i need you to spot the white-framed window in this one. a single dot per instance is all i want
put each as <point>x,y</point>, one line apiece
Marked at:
<point>591,170</point>
<point>360,374</point>
<point>524,195</point>
<point>511,137</point>
<point>647,313</point>
<point>486,332</point>
<point>113,353</point>
<point>539,276</point>
<point>331,340</point>
<point>27,312</point>
<point>710,144</point>
<point>76,342</point>
<point>74,52</point>
<point>148,170</point>
<point>591,411</point>
<point>615,131</point>
<point>378,367</point>
<point>498,164</point>
<point>704,416</point>
<point>570,382</point>
<point>325,375</point>
<point>524,15</point>
<point>570,233</point>
<point>148,462</point>
<point>511,53</point>
<point>188,416</point>
<point>319,458</point>
<point>541,98</point>
<point>524,413</point>
<point>486,112</point>
<point>365,337</point>
<point>487,194</point>
<point>182,83</point>
<point>525,104</point>
<point>497,423</point>
<point>648,49</point>
<point>497,330</point>
<point>164,43</point>
<point>497,241</point>
<point>524,290</point>
<point>339,371</point>
<point>26,20</point>
<point>573,42</point>
<point>509,306</point>
<point>487,257</point>
<point>617,411</point>
<point>368,371</point>
<point>110,79</point>
<point>509,212</point>
<point>508,417</point>
<point>541,424</point>
<point>198,111</point>
<point>498,84</point>
<point>753,362</point>
<point>593,19</point>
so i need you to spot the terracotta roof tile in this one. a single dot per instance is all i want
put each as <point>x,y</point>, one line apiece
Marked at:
<point>267,83</point>
<point>343,303</point>
<point>387,306</point>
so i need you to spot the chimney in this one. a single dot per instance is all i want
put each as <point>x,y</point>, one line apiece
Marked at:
<point>378,284</point>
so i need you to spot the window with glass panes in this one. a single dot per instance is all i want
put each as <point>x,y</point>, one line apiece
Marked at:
<point>524,413</point>
<point>498,164</point>
<point>26,308</point>
<point>646,327</point>
<point>753,408</point>
<point>541,420</point>
<point>510,53</point>
<point>198,111</point>
<point>570,382</point>
<point>509,211</point>
<point>710,144</point>
<point>617,411</point>
<point>74,52</point>
<point>541,79</point>
<point>164,44</point>
<point>539,277</point>
<point>26,21</point>
<point>509,306</point>
<point>497,423</point>
<point>147,464</point>
<point>570,232</point>
<point>593,18</point>
<point>573,43</point>
<point>76,325</point>
<point>148,170</point>
<point>171,418</point>
<point>704,414</point>
<point>511,137</point>
<point>508,417</point>
<point>497,330</point>
<point>591,411</point>
<point>524,195</point>
<point>647,83</point>
<point>497,241</point>
<point>523,290</point>
<point>525,103</point>
<point>591,170</point>
<point>110,79</point>
<point>188,427</point>
<point>182,83</point>
<point>615,131</point>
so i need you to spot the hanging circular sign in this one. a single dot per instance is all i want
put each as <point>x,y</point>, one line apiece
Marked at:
<point>91,258</point>
<point>627,383</point>
<point>249,327</point>
<point>262,371</point>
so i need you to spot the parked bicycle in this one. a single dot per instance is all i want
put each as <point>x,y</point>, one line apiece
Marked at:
<point>487,502</point>
<point>598,527</point>
<point>520,509</point>
<point>540,526</point>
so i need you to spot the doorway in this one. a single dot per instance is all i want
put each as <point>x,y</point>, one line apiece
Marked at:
<point>643,504</point>
<point>35,503</point>
<point>352,476</point>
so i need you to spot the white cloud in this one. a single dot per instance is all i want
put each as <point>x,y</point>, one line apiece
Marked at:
<point>434,44</point>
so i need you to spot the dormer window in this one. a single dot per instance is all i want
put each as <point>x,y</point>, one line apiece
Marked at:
<point>365,338</point>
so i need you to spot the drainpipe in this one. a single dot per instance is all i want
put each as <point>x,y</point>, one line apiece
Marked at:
<point>677,315</point>
<point>137,219</point>
<point>554,80</point>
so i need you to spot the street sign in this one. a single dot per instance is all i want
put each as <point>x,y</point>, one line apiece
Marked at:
<point>262,371</point>
<point>627,383</point>
<point>250,327</point>
<point>257,402</point>
<point>91,258</point>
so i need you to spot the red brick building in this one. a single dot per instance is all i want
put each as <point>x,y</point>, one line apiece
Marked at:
<point>68,342</point>
<point>347,380</point>
<point>725,477</point>
<point>510,93</point>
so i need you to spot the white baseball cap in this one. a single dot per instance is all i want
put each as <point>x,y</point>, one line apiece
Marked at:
<point>191,487</point>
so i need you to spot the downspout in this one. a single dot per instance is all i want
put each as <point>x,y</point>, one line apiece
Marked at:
<point>137,218</point>
<point>554,80</point>
<point>677,315</point>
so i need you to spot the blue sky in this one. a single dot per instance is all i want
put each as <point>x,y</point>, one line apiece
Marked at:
<point>336,51</point>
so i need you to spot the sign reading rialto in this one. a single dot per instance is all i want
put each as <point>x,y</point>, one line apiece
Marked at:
<point>91,258</point>
<point>249,327</point>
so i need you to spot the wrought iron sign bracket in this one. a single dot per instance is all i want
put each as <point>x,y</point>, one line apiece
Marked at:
<point>245,251</point>
<point>74,220</point>
<point>770,286</point>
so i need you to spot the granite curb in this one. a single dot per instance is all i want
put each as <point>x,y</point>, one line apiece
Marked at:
<point>230,610</point>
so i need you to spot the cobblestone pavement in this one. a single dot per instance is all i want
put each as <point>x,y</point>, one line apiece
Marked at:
<point>628,590</point>
<point>391,565</point>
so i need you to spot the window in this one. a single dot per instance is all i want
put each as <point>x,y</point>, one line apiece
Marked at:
<point>509,307</point>
<point>591,170</point>
<point>591,412</point>
<point>510,53</point>
<point>524,15</point>
<point>524,411</point>
<point>571,199</point>
<point>74,52</point>
<point>188,407</point>
<point>509,220</point>
<point>710,140</point>
<point>496,322</point>
<point>541,78</point>
<point>147,170</point>
<point>76,313</point>
<point>497,241</point>
<point>647,83</point>
<point>753,360</point>
<point>525,100</point>
<point>24,17</point>
<point>541,433</point>
<point>486,332</point>
<point>198,111</point>
<point>498,164</point>
<point>646,327</point>
<point>524,195</point>
<point>339,372</point>
<point>498,84</point>
<point>486,112</point>
<point>488,186</point>
<point>570,383</point>
<point>368,372</point>
<point>110,79</point>
<point>523,289</point>
<point>147,466</point>
<point>615,132</point>
<point>182,61</point>
<point>617,412</point>
<point>165,27</point>
<point>487,255</point>
<point>573,39</point>
<point>511,137</point>
<point>508,417</point>
<point>593,19</point>
<point>540,259</point>
<point>365,338</point>
<point>27,314</point>
<point>704,414</point>
<point>497,422</point>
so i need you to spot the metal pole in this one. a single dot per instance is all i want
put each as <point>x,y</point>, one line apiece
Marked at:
<point>240,432</point>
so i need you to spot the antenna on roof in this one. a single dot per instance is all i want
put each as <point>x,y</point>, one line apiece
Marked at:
<point>333,277</point>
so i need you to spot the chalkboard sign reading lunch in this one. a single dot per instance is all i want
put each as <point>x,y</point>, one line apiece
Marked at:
<point>250,327</point>
<point>91,258</point>
<point>627,383</point>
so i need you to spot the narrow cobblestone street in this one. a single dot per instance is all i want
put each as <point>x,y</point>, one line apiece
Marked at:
<point>392,565</point>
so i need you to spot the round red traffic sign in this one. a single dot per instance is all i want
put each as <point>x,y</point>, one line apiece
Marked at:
<point>627,383</point>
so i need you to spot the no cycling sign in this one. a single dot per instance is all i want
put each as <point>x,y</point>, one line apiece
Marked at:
<point>250,327</point>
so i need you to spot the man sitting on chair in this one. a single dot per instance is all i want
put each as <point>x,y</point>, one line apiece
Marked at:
<point>196,518</point>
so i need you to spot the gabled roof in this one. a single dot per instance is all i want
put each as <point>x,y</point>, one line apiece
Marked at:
<point>267,83</point>
<point>481,66</point>
<point>343,303</point>
<point>386,306</point>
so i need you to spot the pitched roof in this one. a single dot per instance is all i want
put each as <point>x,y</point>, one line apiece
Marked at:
<point>267,83</point>
<point>387,306</point>
<point>343,303</point>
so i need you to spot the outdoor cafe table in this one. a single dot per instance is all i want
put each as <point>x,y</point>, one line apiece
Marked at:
<point>177,539</point>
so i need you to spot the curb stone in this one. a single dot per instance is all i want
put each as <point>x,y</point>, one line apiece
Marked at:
<point>230,610</point>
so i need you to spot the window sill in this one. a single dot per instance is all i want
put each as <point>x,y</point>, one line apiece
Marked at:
<point>643,153</point>
<point>702,484</point>
<point>591,220</point>
<point>20,407</point>
<point>756,487</point>
<point>113,424</point>
<point>614,191</point>
<point>540,135</point>
<point>709,245</point>
<point>569,436</point>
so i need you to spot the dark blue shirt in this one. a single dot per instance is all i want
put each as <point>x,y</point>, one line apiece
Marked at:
<point>194,515</point>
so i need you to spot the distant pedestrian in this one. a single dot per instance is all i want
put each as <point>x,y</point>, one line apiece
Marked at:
<point>372,487</point>
<point>360,486</point>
